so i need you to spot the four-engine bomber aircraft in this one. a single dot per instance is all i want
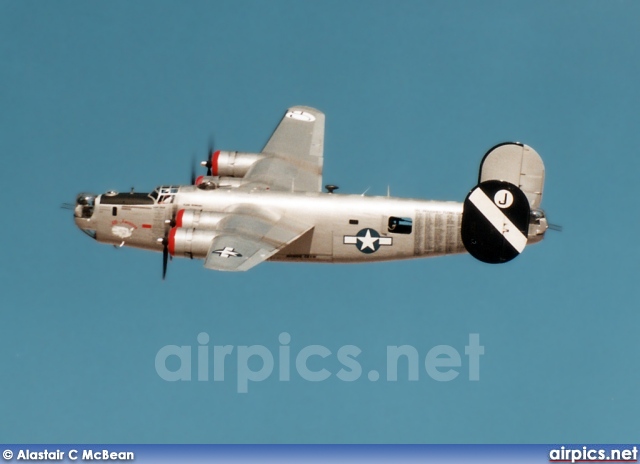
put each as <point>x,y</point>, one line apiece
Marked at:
<point>254,207</point>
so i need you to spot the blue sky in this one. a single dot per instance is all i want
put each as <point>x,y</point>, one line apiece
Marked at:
<point>97,96</point>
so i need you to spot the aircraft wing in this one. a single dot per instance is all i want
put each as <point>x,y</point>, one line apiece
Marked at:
<point>248,237</point>
<point>294,154</point>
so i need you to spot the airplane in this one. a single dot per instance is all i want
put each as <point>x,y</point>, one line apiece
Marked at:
<point>270,206</point>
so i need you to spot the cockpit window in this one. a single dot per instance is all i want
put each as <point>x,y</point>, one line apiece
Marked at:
<point>164,194</point>
<point>167,189</point>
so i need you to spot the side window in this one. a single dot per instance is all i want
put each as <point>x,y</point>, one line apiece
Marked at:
<point>114,211</point>
<point>399,225</point>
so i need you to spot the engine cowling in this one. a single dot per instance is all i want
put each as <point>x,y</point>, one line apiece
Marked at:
<point>233,163</point>
<point>189,242</point>
<point>197,219</point>
<point>212,183</point>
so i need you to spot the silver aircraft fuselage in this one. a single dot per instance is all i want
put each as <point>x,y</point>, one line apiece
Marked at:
<point>430,228</point>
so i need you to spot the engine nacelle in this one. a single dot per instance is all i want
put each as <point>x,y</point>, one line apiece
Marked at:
<point>197,219</point>
<point>233,163</point>
<point>190,243</point>
<point>212,183</point>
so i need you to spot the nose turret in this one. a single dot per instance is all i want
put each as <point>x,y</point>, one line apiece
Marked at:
<point>85,202</point>
<point>83,211</point>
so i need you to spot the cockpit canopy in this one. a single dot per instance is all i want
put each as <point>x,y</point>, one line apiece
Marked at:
<point>164,194</point>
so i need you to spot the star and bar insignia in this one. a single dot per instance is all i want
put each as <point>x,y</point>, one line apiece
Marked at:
<point>226,252</point>
<point>367,240</point>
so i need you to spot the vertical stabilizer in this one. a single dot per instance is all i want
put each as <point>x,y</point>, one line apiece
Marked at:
<point>517,164</point>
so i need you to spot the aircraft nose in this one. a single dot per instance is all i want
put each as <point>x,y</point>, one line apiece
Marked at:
<point>83,211</point>
<point>85,203</point>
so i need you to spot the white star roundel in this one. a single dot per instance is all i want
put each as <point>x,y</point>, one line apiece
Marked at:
<point>227,252</point>
<point>367,240</point>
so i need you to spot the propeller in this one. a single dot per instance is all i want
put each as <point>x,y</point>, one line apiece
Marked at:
<point>209,162</point>
<point>68,206</point>
<point>165,256</point>
<point>165,253</point>
<point>555,227</point>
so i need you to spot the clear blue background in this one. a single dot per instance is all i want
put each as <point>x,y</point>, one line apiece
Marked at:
<point>106,95</point>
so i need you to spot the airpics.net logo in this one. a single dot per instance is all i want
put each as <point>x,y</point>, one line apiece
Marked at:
<point>313,363</point>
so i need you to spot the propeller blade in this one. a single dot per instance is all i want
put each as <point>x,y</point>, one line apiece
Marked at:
<point>193,169</point>
<point>555,227</point>
<point>171,223</point>
<point>210,156</point>
<point>165,258</point>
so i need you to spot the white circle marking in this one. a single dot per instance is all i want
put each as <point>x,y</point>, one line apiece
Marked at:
<point>503,198</point>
